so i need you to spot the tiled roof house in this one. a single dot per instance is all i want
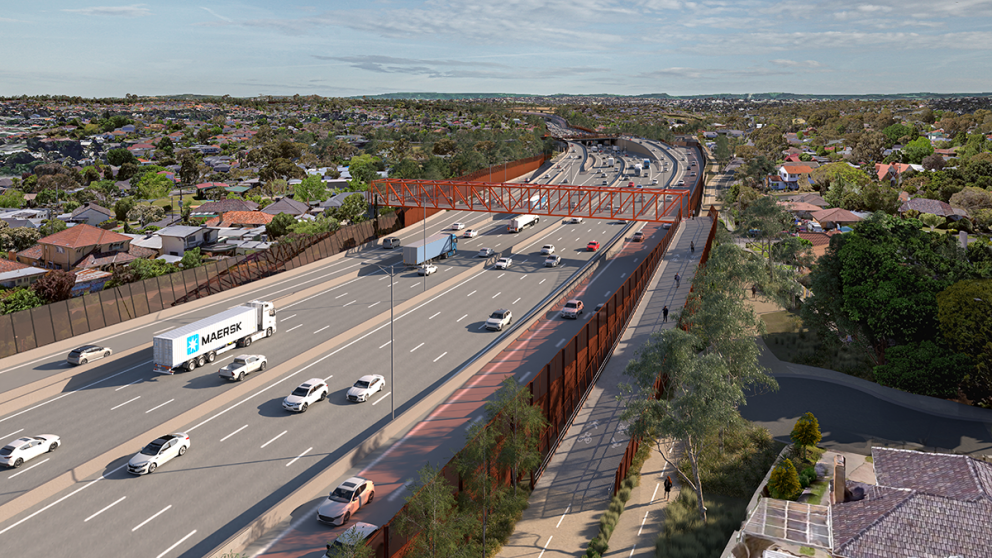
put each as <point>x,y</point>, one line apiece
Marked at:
<point>66,249</point>
<point>240,219</point>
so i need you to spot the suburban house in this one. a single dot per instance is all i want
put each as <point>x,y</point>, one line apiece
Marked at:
<point>179,238</point>
<point>933,207</point>
<point>15,274</point>
<point>222,206</point>
<point>91,214</point>
<point>288,206</point>
<point>240,219</point>
<point>893,172</point>
<point>791,173</point>
<point>69,248</point>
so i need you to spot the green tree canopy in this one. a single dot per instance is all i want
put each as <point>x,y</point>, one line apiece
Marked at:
<point>51,226</point>
<point>153,186</point>
<point>806,432</point>
<point>363,169</point>
<point>924,368</point>
<point>122,207</point>
<point>784,481</point>
<point>963,311</point>
<point>311,189</point>
<point>119,157</point>
<point>12,199</point>
<point>279,225</point>
<point>915,151</point>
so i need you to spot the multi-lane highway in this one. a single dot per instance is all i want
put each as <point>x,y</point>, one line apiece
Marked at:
<point>247,452</point>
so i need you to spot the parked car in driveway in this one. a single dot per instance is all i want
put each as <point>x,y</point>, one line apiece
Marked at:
<point>552,261</point>
<point>365,387</point>
<point>242,366</point>
<point>308,393</point>
<point>160,451</point>
<point>345,500</point>
<point>87,353</point>
<point>27,448</point>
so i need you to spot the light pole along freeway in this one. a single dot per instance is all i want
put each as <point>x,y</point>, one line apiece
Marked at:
<point>211,467</point>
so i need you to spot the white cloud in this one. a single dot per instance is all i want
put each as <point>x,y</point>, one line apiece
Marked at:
<point>134,10</point>
<point>215,14</point>
<point>796,63</point>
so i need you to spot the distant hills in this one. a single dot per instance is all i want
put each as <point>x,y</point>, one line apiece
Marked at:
<point>730,96</point>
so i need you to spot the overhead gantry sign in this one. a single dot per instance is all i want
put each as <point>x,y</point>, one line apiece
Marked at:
<point>632,204</point>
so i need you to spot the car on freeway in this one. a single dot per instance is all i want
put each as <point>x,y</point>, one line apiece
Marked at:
<point>159,452</point>
<point>390,242</point>
<point>548,249</point>
<point>552,261</point>
<point>365,387</point>
<point>630,184</point>
<point>87,353</point>
<point>503,263</point>
<point>592,246</point>
<point>638,237</point>
<point>498,319</point>
<point>345,500</point>
<point>599,306</point>
<point>359,533</point>
<point>457,226</point>
<point>572,309</point>
<point>471,233</point>
<point>24,449</point>
<point>573,220</point>
<point>427,269</point>
<point>242,366</point>
<point>654,181</point>
<point>485,252</point>
<point>604,183</point>
<point>309,392</point>
<point>680,183</point>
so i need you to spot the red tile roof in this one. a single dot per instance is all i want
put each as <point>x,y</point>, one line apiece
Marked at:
<point>233,218</point>
<point>83,235</point>
<point>10,265</point>
<point>32,253</point>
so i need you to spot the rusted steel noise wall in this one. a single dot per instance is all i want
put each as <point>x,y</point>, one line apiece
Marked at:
<point>562,385</point>
<point>634,444</point>
<point>28,329</point>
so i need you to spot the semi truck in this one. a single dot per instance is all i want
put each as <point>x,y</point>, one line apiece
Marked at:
<point>441,245</point>
<point>610,161</point>
<point>518,223</point>
<point>647,164</point>
<point>199,343</point>
<point>637,169</point>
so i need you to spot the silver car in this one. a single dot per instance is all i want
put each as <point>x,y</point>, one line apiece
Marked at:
<point>87,353</point>
<point>345,500</point>
<point>159,452</point>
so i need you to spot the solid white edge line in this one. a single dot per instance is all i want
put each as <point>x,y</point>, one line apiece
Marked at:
<point>545,546</point>
<point>233,433</point>
<point>179,542</point>
<point>105,509</point>
<point>299,456</point>
<point>162,405</point>
<point>273,439</point>
<point>125,403</point>
<point>74,492</point>
<point>381,398</point>
<point>28,469</point>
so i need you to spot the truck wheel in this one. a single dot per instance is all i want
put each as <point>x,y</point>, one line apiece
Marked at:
<point>268,332</point>
<point>191,365</point>
<point>211,356</point>
<point>201,361</point>
<point>246,341</point>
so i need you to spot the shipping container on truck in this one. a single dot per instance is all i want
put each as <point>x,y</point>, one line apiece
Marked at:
<point>199,343</point>
<point>518,223</point>
<point>637,169</point>
<point>441,245</point>
<point>610,161</point>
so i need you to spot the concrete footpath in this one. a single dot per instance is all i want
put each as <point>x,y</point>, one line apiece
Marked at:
<point>577,485</point>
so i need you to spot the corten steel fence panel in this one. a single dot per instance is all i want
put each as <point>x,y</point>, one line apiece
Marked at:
<point>139,298</point>
<point>41,317</point>
<point>60,320</point>
<point>321,250</point>
<point>94,311</point>
<point>111,311</point>
<point>7,345</point>
<point>125,308</point>
<point>190,280</point>
<point>200,273</point>
<point>24,331</point>
<point>165,290</point>
<point>153,296</point>
<point>178,285</point>
<point>77,316</point>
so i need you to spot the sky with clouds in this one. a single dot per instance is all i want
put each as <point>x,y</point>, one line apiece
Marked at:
<point>332,48</point>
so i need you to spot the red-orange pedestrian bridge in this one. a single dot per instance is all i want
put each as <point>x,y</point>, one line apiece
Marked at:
<point>553,200</point>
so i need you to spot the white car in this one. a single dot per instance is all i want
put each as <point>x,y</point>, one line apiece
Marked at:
<point>345,500</point>
<point>357,534</point>
<point>242,366</point>
<point>548,249</point>
<point>485,252</point>
<point>27,448</point>
<point>427,269</point>
<point>471,233</point>
<point>552,261</point>
<point>654,181</point>
<point>87,353</point>
<point>498,319</point>
<point>365,387</point>
<point>457,226</point>
<point>162,450</point>
<point>573,220</point>
<point>503,263</point>
<point>309,392</point>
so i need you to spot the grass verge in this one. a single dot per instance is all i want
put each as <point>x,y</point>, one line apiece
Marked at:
<point>685,535</point>
<point>747,453</point>
<point>789,341</point>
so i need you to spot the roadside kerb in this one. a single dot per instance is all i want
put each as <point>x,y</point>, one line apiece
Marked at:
<point>95,336</point>
<point>305,494</point>
<point>78,473</point>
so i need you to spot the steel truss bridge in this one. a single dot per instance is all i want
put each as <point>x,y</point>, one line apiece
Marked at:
<point>552,200</point>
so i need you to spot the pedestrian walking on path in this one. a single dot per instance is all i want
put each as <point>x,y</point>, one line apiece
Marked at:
<point>678,281</point>
<point>668,486</point>
<point>692,247</point>
<point>754,291</point>
<point>664,314</point>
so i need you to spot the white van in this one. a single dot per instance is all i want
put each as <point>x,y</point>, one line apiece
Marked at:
<point>390,242</point>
